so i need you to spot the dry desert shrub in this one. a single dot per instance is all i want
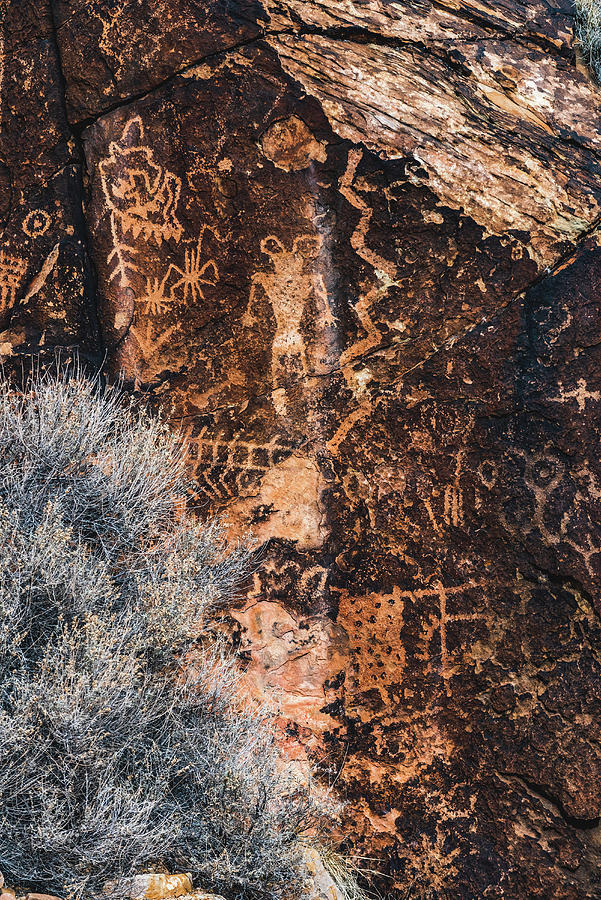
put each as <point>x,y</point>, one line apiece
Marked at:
<point>114,755</point>
<point>587,29</point>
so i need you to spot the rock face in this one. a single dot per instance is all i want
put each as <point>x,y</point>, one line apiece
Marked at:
<point>354,249</point>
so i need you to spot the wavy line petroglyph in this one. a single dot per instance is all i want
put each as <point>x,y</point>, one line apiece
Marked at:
<point>384,269</point>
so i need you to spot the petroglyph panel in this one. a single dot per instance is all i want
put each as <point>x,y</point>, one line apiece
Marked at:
<point>368,379</point>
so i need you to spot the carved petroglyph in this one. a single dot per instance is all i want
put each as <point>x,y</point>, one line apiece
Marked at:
<point>195,274</point>
<point>446,598</point>
<point>580,394</point>
<point>539,513</point>
<point>36,223</point>
<point>386,614</point>
<point>42,277</point>
<point>488,474</point>
<point>291,146</point>
<point>374,658</point>
<point>226,468</point>
<point>109,39</point>
<point>384,269</point>
<point>180,284</point>
<point>141,198</point>
<point>289,284</point>
<point>308,584</point>
<point>149,341</point>
<point>347,424</point>
<point>347,189</point>
<point>452,508</point>
<point>12,271</point>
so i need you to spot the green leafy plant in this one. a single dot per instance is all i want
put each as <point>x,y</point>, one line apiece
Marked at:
<point>125,738</point>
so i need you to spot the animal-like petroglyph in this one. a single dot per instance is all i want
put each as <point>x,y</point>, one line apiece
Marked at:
<point>196,273</point>
<point>141,198</point>
<point>109,37</point>
<point>36,223</point>
<point>181,283</point>
<point>12,272</point>
<point>289,284</point>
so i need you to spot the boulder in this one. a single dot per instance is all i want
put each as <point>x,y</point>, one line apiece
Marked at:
<point>150,886</point>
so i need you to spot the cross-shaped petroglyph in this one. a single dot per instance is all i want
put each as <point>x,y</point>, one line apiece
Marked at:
<point>580,394</point>
<point>445,597</point>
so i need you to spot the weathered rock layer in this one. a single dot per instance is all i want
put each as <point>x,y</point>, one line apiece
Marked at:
<point>353,249</point>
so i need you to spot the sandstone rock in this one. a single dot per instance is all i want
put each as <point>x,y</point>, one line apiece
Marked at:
<point>7,894</point>
<point>150,886</point>
<point>322,885</point>
<point>36,896</point>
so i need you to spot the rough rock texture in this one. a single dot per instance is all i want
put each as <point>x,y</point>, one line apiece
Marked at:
<point>354,249</point>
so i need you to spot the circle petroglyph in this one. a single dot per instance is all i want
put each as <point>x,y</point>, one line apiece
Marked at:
<point>36,223</point>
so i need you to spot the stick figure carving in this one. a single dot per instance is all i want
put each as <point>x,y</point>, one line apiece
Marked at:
<point>289,284</point>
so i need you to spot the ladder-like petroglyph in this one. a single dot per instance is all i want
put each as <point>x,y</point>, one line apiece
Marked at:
<point>227,468</point>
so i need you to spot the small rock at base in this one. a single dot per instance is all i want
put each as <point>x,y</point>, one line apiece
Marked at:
<point>203,895</point>
<point>322,885</point>
<point>150,886</point>
<point>34,896</point>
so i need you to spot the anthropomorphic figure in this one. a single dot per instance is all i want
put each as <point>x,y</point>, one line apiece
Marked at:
<point>290,282</point>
